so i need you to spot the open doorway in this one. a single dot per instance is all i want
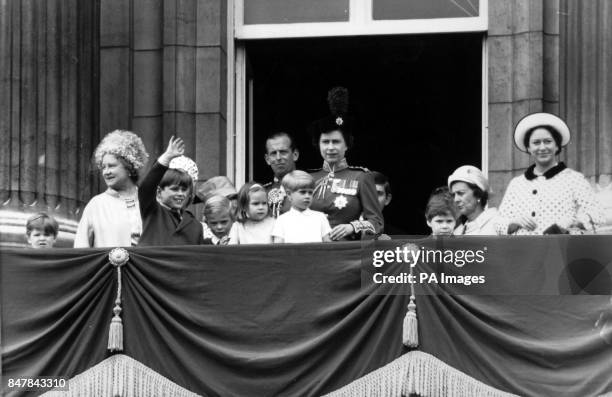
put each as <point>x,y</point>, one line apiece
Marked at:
<point>417,100</point>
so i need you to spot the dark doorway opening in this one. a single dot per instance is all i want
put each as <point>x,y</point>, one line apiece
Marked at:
<point>417,100</point>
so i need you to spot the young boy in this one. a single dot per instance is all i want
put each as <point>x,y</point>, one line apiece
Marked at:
<point>217,185</point>
<point>383,189</point>
<point>384,196</point>
<point>300,224</point>
<point>219,219</point>
<point>440,213</point>
<point>41,230</point>
<point>163,196</point>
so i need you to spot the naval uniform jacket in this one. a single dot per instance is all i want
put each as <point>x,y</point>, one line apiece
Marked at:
<point>346,194</point>
<point>161,225</point>
<point>278,202</point>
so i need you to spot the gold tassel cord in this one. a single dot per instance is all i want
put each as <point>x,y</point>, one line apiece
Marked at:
<point>117,257</point>
<point>410,329</point>
<point>115,333</point>
<point>411,325</point>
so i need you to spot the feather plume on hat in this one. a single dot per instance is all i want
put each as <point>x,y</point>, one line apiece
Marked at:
<point>338,120</point>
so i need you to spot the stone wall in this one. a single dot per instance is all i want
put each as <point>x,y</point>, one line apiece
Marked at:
<point>163,72</point>
<point>523,61</point>
<point>48,87</point>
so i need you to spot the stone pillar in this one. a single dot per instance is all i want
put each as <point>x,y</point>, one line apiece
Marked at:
<point>195,79</point>
<point>523,78</point>
<point>586,88</point>
<point>586,92</point>
<point>131,69</point>
<point>48,86</point>
<point>163,72</point>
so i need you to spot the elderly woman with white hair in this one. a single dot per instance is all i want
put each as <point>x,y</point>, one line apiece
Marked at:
<point>470,190</point>
<point>112,218</point>
<point>548,198</point>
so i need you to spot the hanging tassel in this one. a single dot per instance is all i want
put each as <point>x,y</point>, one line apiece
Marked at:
<point>410,335</point>
<point>115,333</point>
<point>410,331</point>
<point>118,257</point>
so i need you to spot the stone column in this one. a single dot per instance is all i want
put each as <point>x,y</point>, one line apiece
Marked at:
<point>48,86</point>
<point>195,79</point>
<point>586,92</point>
<point>586,86</point>
<point>523,48</point>
<point>163,72</point>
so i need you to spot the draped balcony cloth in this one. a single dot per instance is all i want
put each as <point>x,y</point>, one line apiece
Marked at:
<point>307,320</point>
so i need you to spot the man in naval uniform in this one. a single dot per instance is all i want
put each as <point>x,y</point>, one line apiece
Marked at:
<point>281,155</point>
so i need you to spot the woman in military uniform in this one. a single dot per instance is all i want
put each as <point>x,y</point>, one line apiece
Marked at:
<point>346,194</point>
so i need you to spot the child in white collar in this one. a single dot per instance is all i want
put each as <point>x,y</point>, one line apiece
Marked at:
<point>218,216</point>
<point>300,224</point>
<point>253,224</point>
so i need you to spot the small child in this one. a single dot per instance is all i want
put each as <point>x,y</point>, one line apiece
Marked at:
<point>217,185</point>
<point>441,213</point>
<point>253,225</point>
<point>41,230</point>
<point>163,196</point>
<point>218,218</point>
<point>300,224</point>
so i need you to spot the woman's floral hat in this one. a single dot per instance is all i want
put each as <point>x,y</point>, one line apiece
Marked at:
<point>186,164</point>
<point>124,144</point>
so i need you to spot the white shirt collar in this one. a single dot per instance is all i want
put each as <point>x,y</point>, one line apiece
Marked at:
<point>306,212</point>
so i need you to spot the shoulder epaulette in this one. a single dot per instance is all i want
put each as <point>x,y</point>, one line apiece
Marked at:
<point>356,167</point>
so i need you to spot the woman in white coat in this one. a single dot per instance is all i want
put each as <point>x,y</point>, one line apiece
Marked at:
<point>112,218</point>
<point>549,198</point>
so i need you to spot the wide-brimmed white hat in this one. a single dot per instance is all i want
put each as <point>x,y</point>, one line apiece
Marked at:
<point>469,174</point>
<point>535,120</point>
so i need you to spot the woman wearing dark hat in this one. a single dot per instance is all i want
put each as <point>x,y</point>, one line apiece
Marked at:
<point>548,198</point>
<point>346,194</point>
<point>470,190</point>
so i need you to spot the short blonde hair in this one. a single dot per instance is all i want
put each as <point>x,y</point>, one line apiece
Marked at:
<point>296,180</point>
<point>216,204</point>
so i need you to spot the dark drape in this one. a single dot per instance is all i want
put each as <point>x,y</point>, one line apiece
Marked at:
<point>304,319</point>
<point>541,325</point>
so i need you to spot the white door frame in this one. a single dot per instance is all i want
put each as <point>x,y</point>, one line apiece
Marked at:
<point>360,22</point>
